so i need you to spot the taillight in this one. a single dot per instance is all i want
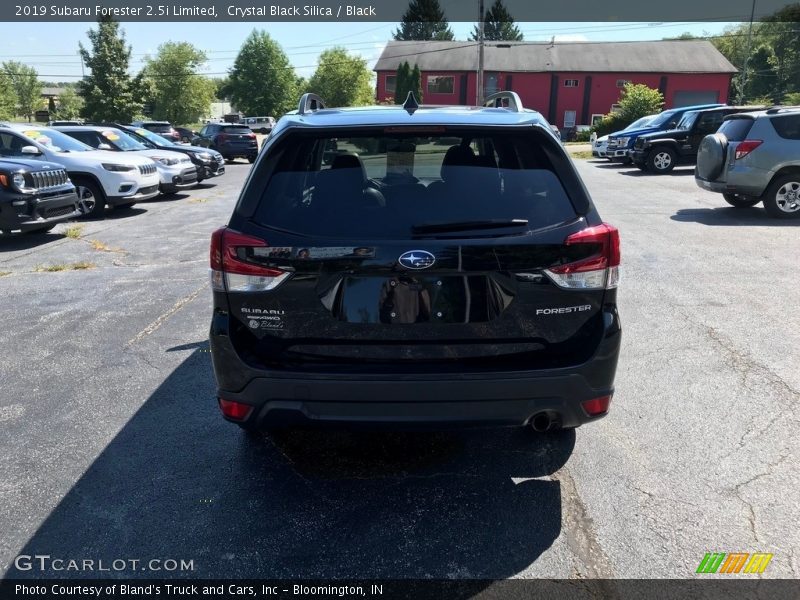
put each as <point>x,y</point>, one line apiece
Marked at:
<point>221,137</point>
<point>746,147</point>
<point>232,272</point>
<point>596,406</point>
<point>235,410</point>
<point>252,136</point>
<point>598,271</point>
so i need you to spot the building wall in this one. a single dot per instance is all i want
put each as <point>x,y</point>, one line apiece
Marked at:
<point>536,90</point>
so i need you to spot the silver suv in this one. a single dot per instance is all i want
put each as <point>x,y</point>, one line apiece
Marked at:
<point>755,157</point>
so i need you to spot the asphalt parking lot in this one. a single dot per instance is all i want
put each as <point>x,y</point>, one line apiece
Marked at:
<point>113,447</point>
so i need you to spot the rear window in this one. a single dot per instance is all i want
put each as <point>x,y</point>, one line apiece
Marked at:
<point>788,127</point>
<point>159,127</point>
<point>235,130</point>
<point>736,130</point>
<point>395,186</point>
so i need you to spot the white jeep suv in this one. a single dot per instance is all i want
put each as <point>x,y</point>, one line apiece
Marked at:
<point>175,169</point>
<point>101,178</point>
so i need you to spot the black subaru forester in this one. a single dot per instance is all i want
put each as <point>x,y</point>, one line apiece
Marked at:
<point>414,266</point>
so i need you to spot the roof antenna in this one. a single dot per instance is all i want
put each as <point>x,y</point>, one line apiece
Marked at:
<point>411,105</point>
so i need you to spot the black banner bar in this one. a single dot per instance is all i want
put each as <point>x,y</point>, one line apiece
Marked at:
<point>383,10</point>
<point>706,587</point>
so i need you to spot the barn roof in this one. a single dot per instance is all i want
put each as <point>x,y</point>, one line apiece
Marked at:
<point>668,56</point>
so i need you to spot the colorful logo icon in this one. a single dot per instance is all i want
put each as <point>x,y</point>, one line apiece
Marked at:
<point>736,562</point>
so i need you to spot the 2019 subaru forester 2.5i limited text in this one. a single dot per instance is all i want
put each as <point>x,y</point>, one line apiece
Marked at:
<point>413,266</point>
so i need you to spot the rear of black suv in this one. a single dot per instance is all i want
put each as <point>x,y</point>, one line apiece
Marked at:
<point>426,269</point>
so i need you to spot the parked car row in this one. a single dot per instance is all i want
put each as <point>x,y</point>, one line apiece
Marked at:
<point>51,174</point>
<point>755,157</point>
<point>749,154</point>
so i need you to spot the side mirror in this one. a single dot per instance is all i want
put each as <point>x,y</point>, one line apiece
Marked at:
<point>32,150</point>
<point>103,147</point>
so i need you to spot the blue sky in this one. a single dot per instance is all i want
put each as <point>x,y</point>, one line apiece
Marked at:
<point>52,47</point>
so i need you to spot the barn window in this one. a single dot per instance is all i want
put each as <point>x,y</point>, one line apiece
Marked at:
<point>570,83</point>
<point>391,84</point>
<point>621,82</point>
<point>441,84</point>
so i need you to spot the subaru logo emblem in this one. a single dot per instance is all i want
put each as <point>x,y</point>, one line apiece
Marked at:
<point>416,259</point>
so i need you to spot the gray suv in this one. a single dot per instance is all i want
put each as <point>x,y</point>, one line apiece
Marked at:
<point>755,157</point>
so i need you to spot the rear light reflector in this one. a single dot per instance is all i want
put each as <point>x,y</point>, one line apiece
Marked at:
<point>596,406</point>
<point>231,272</point>
<point>235,410</point>
<point>746,147</point>
<point>598,271</point>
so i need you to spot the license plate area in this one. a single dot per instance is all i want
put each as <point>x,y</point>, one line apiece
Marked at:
<point>411,299</point>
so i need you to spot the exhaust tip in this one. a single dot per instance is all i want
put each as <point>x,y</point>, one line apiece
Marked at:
<point>541,422</point>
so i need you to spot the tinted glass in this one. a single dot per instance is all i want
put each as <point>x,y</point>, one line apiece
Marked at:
<point>639,123</point>
<point>687,120</point>
<point>55,140</point>
<point>736,130</point>
<point>120,140</point>
<point>788,127</point>
<point>382,187</point>
<point>662,119</point>
<point>155,138</point>
<point>235,130</point>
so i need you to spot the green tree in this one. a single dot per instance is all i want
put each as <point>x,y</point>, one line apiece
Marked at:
<point>221,85</point>
<point>341,79</point>
<point>177,93</point>
<point>402,82</point>
<point>69,104</point>
<point>262,81</point>
<point>498,25</point>
<point>792,98</point>
<point>8,100</point>
<point>27,88</point>
<point>638,100</point>
<point>415,82</point>
<point>108,90</point>
<point>424,20</point>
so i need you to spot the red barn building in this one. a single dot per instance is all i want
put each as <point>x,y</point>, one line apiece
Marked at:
<point>570,83</point>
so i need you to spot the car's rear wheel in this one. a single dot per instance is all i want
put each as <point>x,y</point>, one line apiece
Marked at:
<point>740,201</point>
<point>661,160</point>
<point>91,200</point>
<point>251,159</point>
<point>782,199</point>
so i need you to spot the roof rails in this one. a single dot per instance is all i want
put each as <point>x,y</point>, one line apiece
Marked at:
<point>496,101</point>
<point>310,103</point>
<point>776,109</point>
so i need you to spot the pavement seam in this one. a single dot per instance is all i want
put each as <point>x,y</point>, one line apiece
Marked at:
<point>160,320</point>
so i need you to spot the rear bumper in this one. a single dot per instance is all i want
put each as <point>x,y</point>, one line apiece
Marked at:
<point>236,151</point>
<point>752,182</point>
<point>465,399</point>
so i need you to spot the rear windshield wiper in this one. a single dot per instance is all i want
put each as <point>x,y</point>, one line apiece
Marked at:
<point>467,225</point>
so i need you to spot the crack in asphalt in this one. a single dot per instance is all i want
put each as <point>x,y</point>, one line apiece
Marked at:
<point>738,493</point>
<point>579,532</point>
<point>746,367</point>
<point>160,320</point>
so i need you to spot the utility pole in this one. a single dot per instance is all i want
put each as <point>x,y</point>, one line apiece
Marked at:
<point>743,79</point>
<point>479,78</point>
